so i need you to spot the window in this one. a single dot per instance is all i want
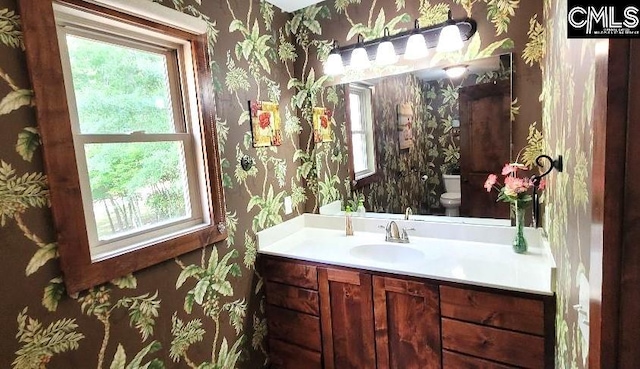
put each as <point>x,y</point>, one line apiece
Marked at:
<point>131,128</point>
<point>361,123</point>
<point>127,128</point>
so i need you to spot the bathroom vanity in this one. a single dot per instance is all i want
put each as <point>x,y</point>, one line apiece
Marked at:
<point>455,296</point>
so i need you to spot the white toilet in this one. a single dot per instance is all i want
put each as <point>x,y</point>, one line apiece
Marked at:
<point>451,198</point>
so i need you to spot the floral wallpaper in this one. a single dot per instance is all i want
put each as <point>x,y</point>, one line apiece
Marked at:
<point>205,309</point>
<point>568,95</point>
<point>400,184</point>
<point>324,166</point>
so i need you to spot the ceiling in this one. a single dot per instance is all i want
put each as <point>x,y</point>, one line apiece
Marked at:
<point>292,5</point>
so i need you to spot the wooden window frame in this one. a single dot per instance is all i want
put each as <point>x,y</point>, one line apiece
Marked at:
<point>54,122</point>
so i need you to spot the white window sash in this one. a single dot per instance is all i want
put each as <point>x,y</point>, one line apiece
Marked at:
<point>366,130</point>
<point>83,139</point>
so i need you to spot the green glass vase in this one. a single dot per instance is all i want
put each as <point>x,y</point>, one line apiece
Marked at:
<point>519,241</point>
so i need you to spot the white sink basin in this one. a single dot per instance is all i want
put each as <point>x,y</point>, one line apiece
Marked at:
<point>387,253</point>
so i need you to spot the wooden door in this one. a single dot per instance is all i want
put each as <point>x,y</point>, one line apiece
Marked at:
<point>485,146</point>
<point>407,324</point>
<point>346,315</point>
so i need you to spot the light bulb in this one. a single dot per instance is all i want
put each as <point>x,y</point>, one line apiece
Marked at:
<point>386,54</point>
<point>450,39</point>
<point>456,71</point>
<point>359,58</point>
<point>416,47</point>
<point>333,66</point>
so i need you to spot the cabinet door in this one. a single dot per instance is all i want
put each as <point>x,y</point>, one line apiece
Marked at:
<point>346,314</point>
<point>407,324</point>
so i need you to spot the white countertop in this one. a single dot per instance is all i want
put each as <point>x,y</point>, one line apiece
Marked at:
<point>475,254</point>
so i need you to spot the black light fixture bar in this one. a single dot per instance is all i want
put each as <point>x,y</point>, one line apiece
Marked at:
<point>467,27</point>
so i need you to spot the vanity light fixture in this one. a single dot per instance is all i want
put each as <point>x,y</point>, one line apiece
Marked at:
<point>416,45</point>
<point>334,65</point>
<point>386,54</point>
<point>359,56</point>
<point>450,39</point>
<point>413,44</point>
<point>456,71</point>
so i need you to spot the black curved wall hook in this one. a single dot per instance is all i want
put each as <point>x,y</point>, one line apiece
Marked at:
<point>537,179</point>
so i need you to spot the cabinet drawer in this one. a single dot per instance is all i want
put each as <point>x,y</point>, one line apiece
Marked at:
<point>293,298</point>
<point>305,276</point>
<point>287,356</point>
<point>509,347</point>
<point>292,327</point>
<point>515,313</point>
<point>452,360</point>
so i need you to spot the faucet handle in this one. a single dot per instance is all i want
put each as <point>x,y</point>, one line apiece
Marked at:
<point>387,230</point>
<point>405,235</point>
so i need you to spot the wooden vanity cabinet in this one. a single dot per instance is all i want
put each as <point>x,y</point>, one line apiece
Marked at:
<point>341,318</point>
<point>407,324</point>
<point>496,330</point>
<point>347,319</point>
<point>293,314</point>
<point>378,322</point>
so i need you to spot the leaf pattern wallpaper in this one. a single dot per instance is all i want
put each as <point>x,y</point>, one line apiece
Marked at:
<point>205,309</point>
<point>568,95</point>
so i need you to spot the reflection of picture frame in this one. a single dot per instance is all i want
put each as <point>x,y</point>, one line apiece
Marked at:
<point>322,125</point>
<point>265,123</point>
<point>405,124</point>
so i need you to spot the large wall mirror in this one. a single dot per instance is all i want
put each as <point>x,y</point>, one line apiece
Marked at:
<point>436,137</point>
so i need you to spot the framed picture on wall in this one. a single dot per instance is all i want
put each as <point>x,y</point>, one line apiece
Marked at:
<point>322,125</point>
<point>405,123</point>
<point>265,124</point>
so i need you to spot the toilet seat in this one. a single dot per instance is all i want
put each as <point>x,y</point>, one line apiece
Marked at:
<point>451,196</point>
<point>451,202</point>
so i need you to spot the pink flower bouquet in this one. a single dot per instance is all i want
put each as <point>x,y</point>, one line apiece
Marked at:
<point>514,189</point>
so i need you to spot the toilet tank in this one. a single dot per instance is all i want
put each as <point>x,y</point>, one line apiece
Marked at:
<point>451,182</point>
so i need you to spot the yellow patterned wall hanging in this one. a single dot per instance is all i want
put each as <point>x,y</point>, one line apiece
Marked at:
<point>265,124</point>
<point>322,125</point>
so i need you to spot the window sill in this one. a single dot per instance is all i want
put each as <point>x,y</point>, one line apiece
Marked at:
<point>365,180</point>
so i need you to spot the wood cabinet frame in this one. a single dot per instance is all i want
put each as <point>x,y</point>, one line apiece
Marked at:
<point>383,335</point>
<point>45,68</point>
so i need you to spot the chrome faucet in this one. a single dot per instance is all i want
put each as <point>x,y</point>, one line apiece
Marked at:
<point>408,212</point>
<point>393,233</point>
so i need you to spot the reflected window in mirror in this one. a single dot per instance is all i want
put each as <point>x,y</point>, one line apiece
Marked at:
<point>363,157</point>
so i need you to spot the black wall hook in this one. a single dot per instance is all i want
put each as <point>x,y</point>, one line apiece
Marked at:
<point>246,162</point>
<point>556,164</point>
